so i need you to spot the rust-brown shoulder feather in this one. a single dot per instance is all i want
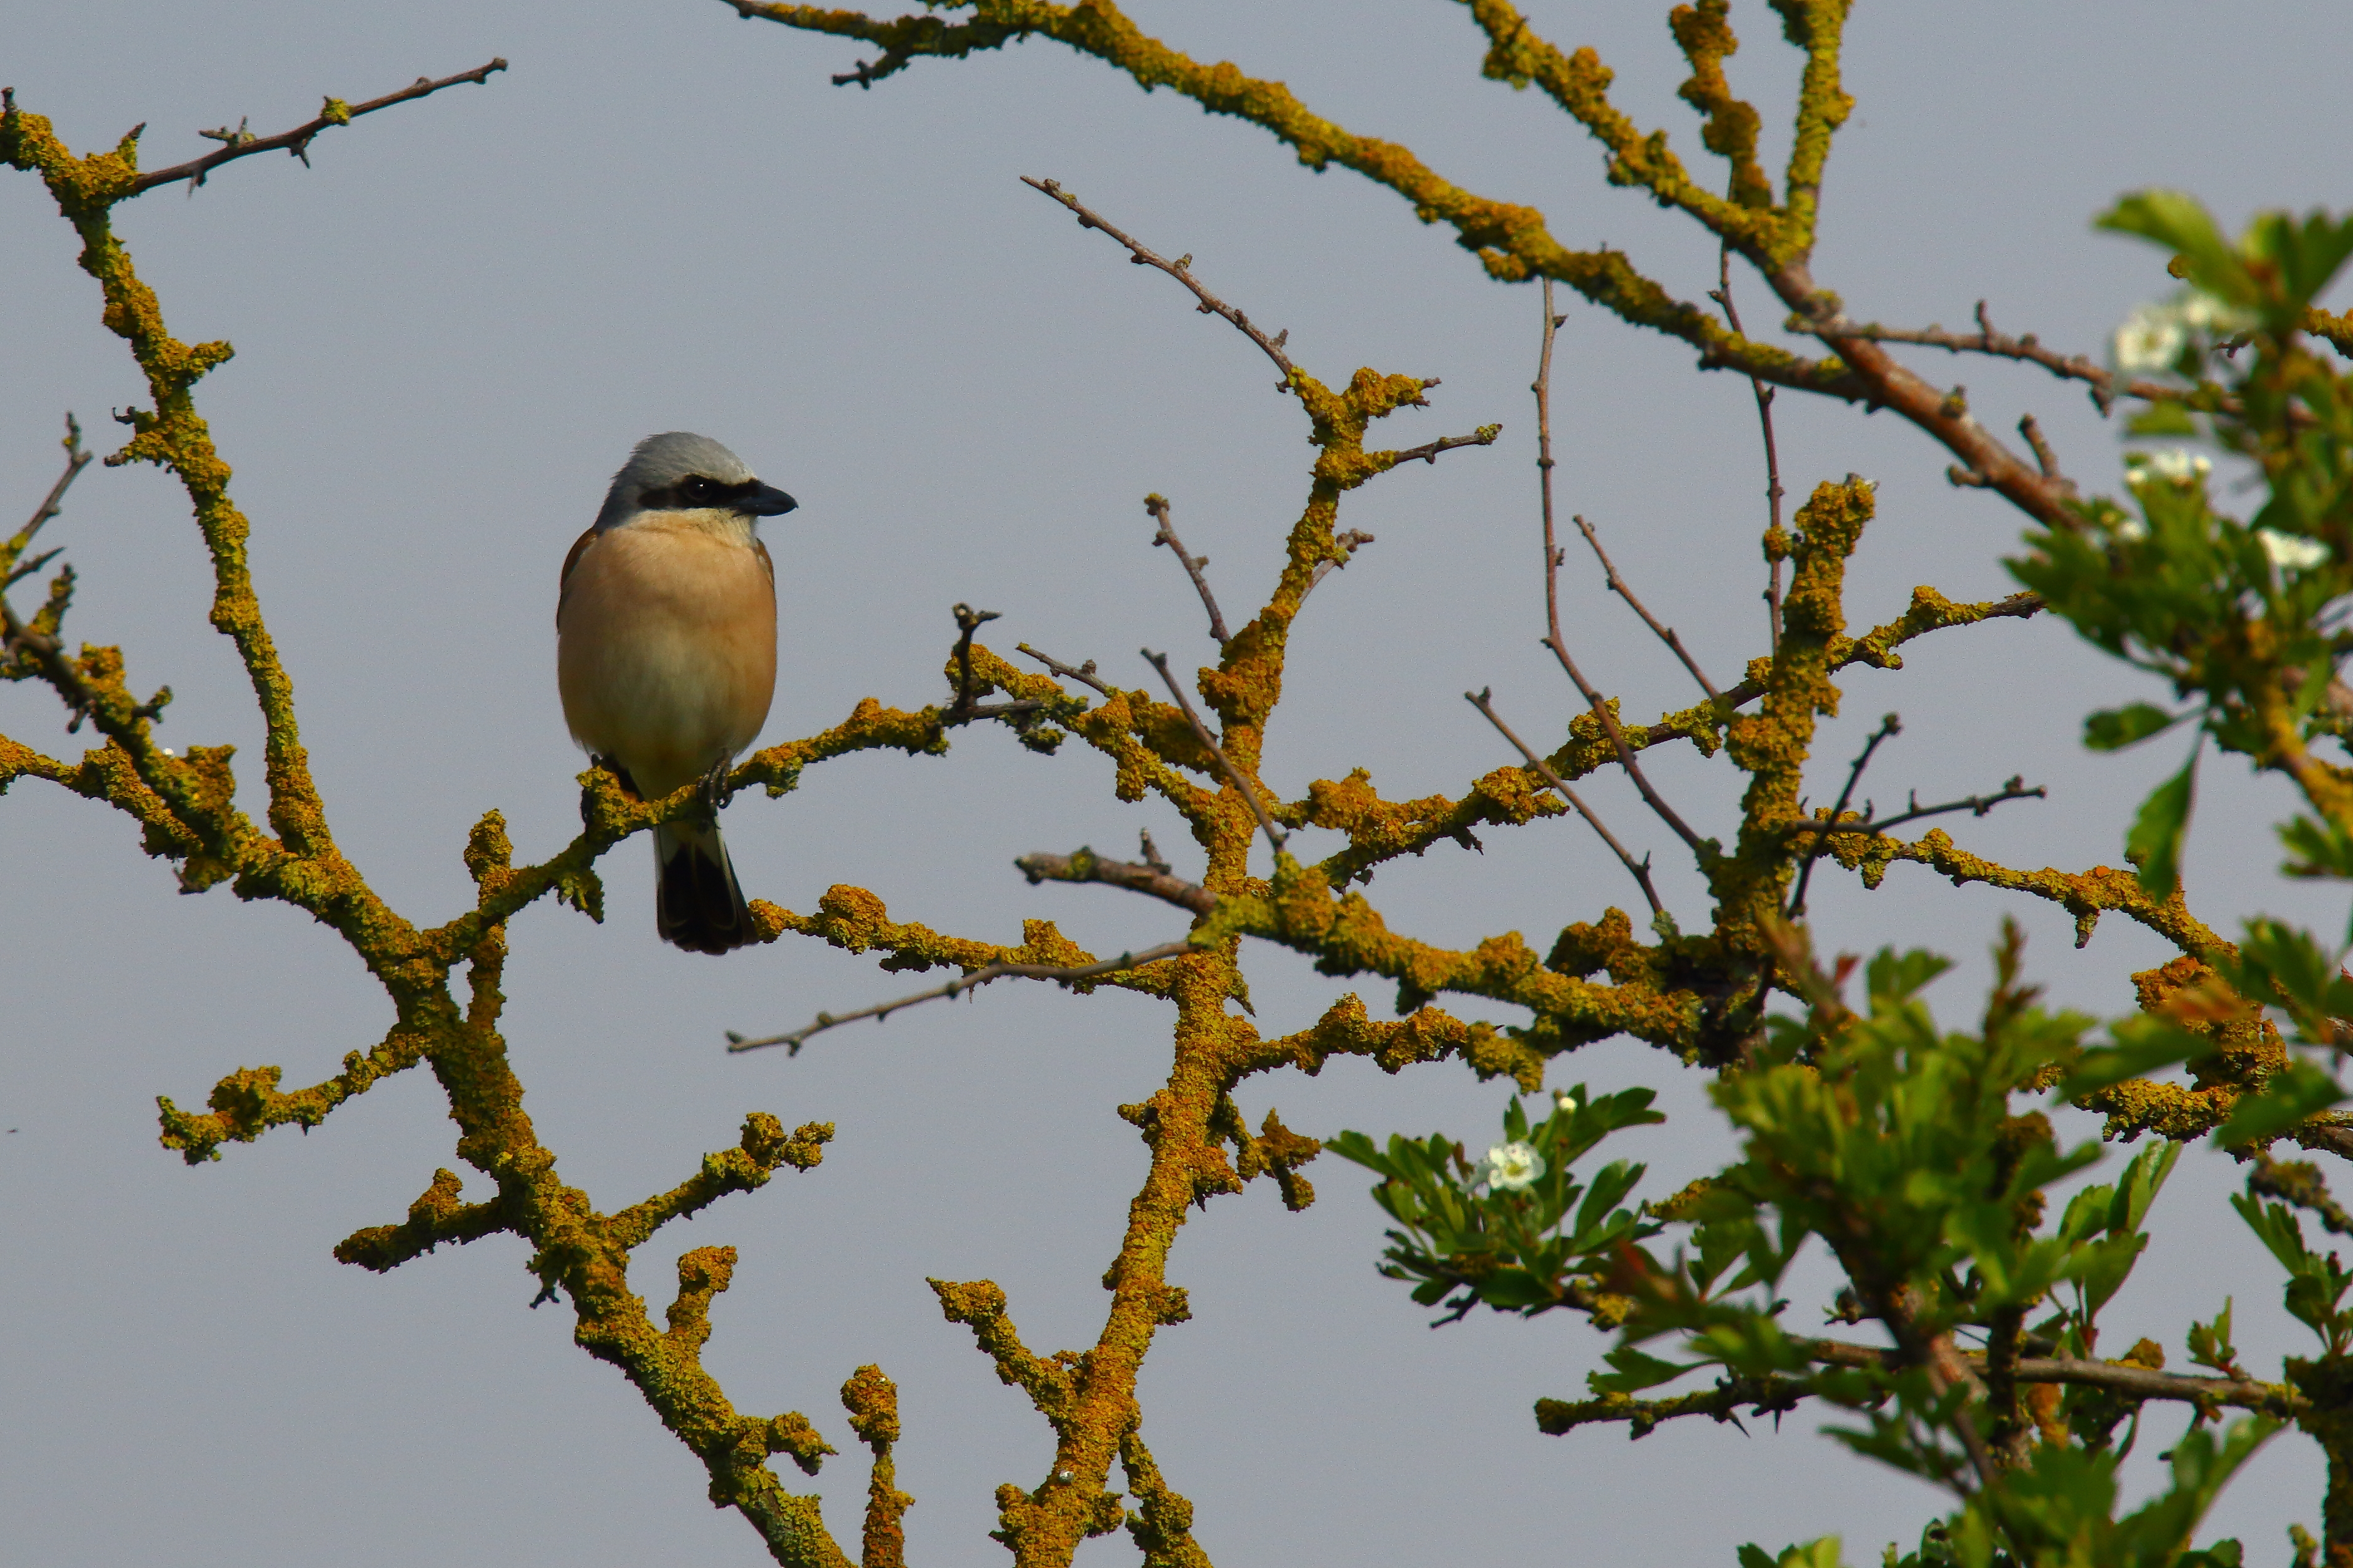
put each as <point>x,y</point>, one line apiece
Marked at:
<point>573,559</point>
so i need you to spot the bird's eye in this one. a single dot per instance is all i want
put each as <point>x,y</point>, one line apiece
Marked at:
<point>701,490</point>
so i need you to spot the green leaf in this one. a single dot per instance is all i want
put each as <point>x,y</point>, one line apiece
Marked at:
<point>1896,977</point>
<point>2180,223</point>
<point>2159,830</point>
<point>2209,1344</point>
<point>2144,1044</point>
<point>2113,729</point>
<point>1636,1371</point>
<point>2162,419</point>
<point>2296,1091</point>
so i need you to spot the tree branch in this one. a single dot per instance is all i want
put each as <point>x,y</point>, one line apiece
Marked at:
<point>881,1010</point>
<point>1666,634</point>
<point>1157,507</point>
<point>1890,725</point>
<point>1159,661</point>
<point>1722,295</point>
<point>1639,868</point>
<point>1086,866</point>
<point>1181,271</point>
<point>297,140</point>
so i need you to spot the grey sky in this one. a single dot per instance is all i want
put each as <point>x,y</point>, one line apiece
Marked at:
<point>448,332</point>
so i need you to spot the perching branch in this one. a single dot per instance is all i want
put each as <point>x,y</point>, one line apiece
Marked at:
<point>1666,634</point>
<point>963,983</point>
<point>240,144</point>
<point>1157,507</point>
<point>1181,271</point>
<point>1159,661</point>
<point>1639,868</point>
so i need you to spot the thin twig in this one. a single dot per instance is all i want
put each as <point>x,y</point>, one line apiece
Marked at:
<point>1157,507</point>
<point>2105,387</point>
<point>1181,271</point>
<point>1351,541</point>
<point>1153,876</point>
<point>1553,557</point>
<point>1084,673</point>
<point>1428,451</point>
<point>963,983</point>
<point>76,459</point>
<point>297,140</point>
<point>1975,805</point>
<point>969,621</point>
<point>1617,585</point>
<point>1640,869</point>
<point>1722,295</point>
<point>1888,725</point>
<point>2044,458</point>
<point>1159,661</point>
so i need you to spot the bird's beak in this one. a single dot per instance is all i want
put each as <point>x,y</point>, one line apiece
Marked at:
<point>767,501</point>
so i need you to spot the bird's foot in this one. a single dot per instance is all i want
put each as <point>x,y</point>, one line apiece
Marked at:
<point>716,792</point>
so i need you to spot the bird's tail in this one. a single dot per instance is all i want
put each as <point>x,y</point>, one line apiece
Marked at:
<point>697,904</point>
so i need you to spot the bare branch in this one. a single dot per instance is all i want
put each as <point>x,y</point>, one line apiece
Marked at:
<point>1181,271</point>
<point>240,144</point>
<point>1153,877</point>
<point>1888,725</point>
<point>1428,452</point>
<point>1157,507</point>
<point>2105,385</point>
<point>1617,585</point>
<point>1640,869</point>
<point>963,983</point>
<point>969,621</point>
<point>1159,661</point>
<point>2044,458</point>
<point>76,459</point>
<point>1553,557</point>
<point>1084,673</point>
<point>1722,295</point>
<point>1975,805</point>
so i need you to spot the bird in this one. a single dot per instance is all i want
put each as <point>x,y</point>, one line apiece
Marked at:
<point>666,656</point>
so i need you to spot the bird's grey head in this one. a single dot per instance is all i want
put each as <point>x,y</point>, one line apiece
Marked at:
<point>680,471</point>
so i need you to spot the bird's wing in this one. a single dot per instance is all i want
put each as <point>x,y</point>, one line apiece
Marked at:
<point>570,561</point>
<point>759,545</point>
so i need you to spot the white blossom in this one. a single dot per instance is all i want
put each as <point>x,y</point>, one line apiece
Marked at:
<point>2131,530</point>
<point>2179,464</point>
<point>2151,338</point>
<point>1564,1101</point>
<point>2201,312</point>
<point>2292,552</point>
<point>1510,1167</point>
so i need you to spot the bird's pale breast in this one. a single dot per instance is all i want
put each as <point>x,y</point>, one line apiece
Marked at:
<point>666,644</point>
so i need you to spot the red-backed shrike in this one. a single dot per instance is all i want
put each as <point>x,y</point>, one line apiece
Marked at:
<point>666,655</point>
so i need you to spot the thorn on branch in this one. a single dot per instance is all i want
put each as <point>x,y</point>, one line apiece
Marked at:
<point>794,1041</point>
<point>1180,270</point>
<point>1159,661</point>
<point>1155,506</point>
